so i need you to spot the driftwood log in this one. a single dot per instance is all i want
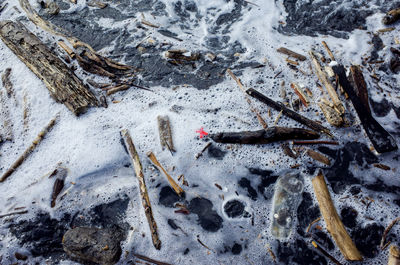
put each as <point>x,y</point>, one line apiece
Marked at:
<point>391,17</point>
<point>272,134</point>
<point>380,138</point>
<point>288,112</point>
<point>63,84</point>
<point>130,147</point>
<point>333,223</point>
<point>358,82</point>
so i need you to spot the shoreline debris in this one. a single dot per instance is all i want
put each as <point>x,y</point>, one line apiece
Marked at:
<point>394,255</point>
<point>130,147</point>
<point>291,53</point>
<point>164,130</point>
<point>391,17</point>
<point>5,78</point>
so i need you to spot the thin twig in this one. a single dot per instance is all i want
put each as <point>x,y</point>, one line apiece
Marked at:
<point>387,230</point>
<point>13,213</point>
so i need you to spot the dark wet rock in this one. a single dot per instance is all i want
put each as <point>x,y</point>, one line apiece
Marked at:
<point>379,185</point>
<point>329,17</point>
<point>323,239</point>
<point>368,239</point>
<point>42,236</point>
<point>234,208</point>
<point>339,174</point>
<point>168,197</point>
<point>208,219</point>
<point>187,250</point>
<point>236,249</point>
<point>267,178</point>
<point>381,109</point>
<point>246,184</point>
<point>349,217</point>
<point>101,246</point>
<point>354,190</point>
<point>216,153</point>
<point>20,256</point>
<point>395,61</point>
<point>306,213</point>
<point>299,252</point>
<point>172,224</point>
<point>377,46</point>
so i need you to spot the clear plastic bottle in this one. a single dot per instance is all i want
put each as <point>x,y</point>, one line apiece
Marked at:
<point>287,197</point>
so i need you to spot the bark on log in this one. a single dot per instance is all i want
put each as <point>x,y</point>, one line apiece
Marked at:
<point>333,223</point>
<point>288,112</point>
<point>130,147</point>
<point>360,86</point>
<point>380,138</point>
<point>272,134</point>
<point>63,84</point>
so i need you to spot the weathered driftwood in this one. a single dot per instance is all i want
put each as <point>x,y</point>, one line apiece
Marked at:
<point>272,134</point>
<point>6,131</point>
<point>171,181</point>
<point>63,84</point>
<point>394,255</point>
<point>300,93</point>
<point>5,78</point>
<point>252,108</point>
<point>288,151</point>
<point>331,115</point>
<point>291,53</point>
<point>319,157</point>
<point>30,149</point>
<point>130,147</point>
<point>150,260</point>
<point>337,104</point>
<point>288,112</point>
<point>391,17</point>
<point>358,81</point>
<point>380,138</point>
<point>97,4</point>
<point>164,130</point>
<point>333,223</point>
<point>328,51</point>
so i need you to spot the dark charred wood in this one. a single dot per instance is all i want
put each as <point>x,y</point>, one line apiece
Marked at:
<point>380,138</point>
<point>288,112</point>
<point>63,84</point>
<point>359,85</point>
<point>269,135</point>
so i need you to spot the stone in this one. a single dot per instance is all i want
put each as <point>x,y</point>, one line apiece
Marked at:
<point>101,246</point>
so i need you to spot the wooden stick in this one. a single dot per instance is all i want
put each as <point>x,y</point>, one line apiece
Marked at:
<point>338,106</point>
<point>391,17</point>
<point>60,80</point>
<point>291,53</point>
<point>288,112</point>
<point>67,49</point>
<point>13,213</point>
<point>199,154</point>
<point>380,138</point>
<point>147,23</point>
<point>357,78</point>
<point>165,133</point>
<point>130,147</point>
<point>325,253</point>
<point>387,230</point>
<point>314,142</point>
<point>171,181</point>
<point>272,134</point>
<point>329,51</point>
<point>30,149</point>
<point>319,157</point>
<point>115,89</point>
<point>394,255</point>
<point>333,223</point>
<point>150,260</point>
<point>312,223</point>
<point>300,93</point>
<point>253,109</point>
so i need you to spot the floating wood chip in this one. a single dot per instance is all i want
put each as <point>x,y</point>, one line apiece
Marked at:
<point>199,154</point>
<point>30,149</point>
<point>272,134</point>
<point>5,78</point>
<point>300,93</point>
<point>380,138</point>
<point>164,130</point>
<point>97,4</point>
<point>147,23</point>
<point>381,166</point>
<point>391,17</point>
<point>333,223</point>
<point>130,147</point>
<point>288,151</point>
<point>171,181</point>
<point>328,51</point>
<point>291,53</point>
<point>60,175</point>
<point>319,157</point>
<point>115,89</point>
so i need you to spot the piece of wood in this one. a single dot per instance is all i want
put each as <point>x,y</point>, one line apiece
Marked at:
<point>291,53</point>
<point>328,51</point>
<point>13,213</point>
<point>272,134</point>
<point>391,17</point>
<point>115,89</point>
<point>60,175</point>
<point>199,154</point>
<point>288,112</point>
<point>165,133</point>
<point>130,147</point>
<point>288,151</point>
<point>63,84</point>
<point>358,81</point>
<point>331,115</point>
<point>394,255</point>
<point>6,131</point>
<point>171,181</point>
<point>150,260</point>
<point>314,142</point>
<point>30,149</point>
<point>97,4</point>
<point>338,106</point>
<point>319,157</point>
<point>380,138</point>
<point>5,78</point>
<point>300,93</point>
<point>333,223</point>
<point>148,23</point>
<point>387,230</point>
<point>252,108</point>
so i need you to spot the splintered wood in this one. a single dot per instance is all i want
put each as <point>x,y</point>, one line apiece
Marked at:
<point>319,157</point>
<point>164,130</point>
<point>5,78</point>
<point>291,53</point>
<point>30,149</point>
<point>333,223</point>
<point>59,79</point>
<point>171,181</point>
<point>130,147</point>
